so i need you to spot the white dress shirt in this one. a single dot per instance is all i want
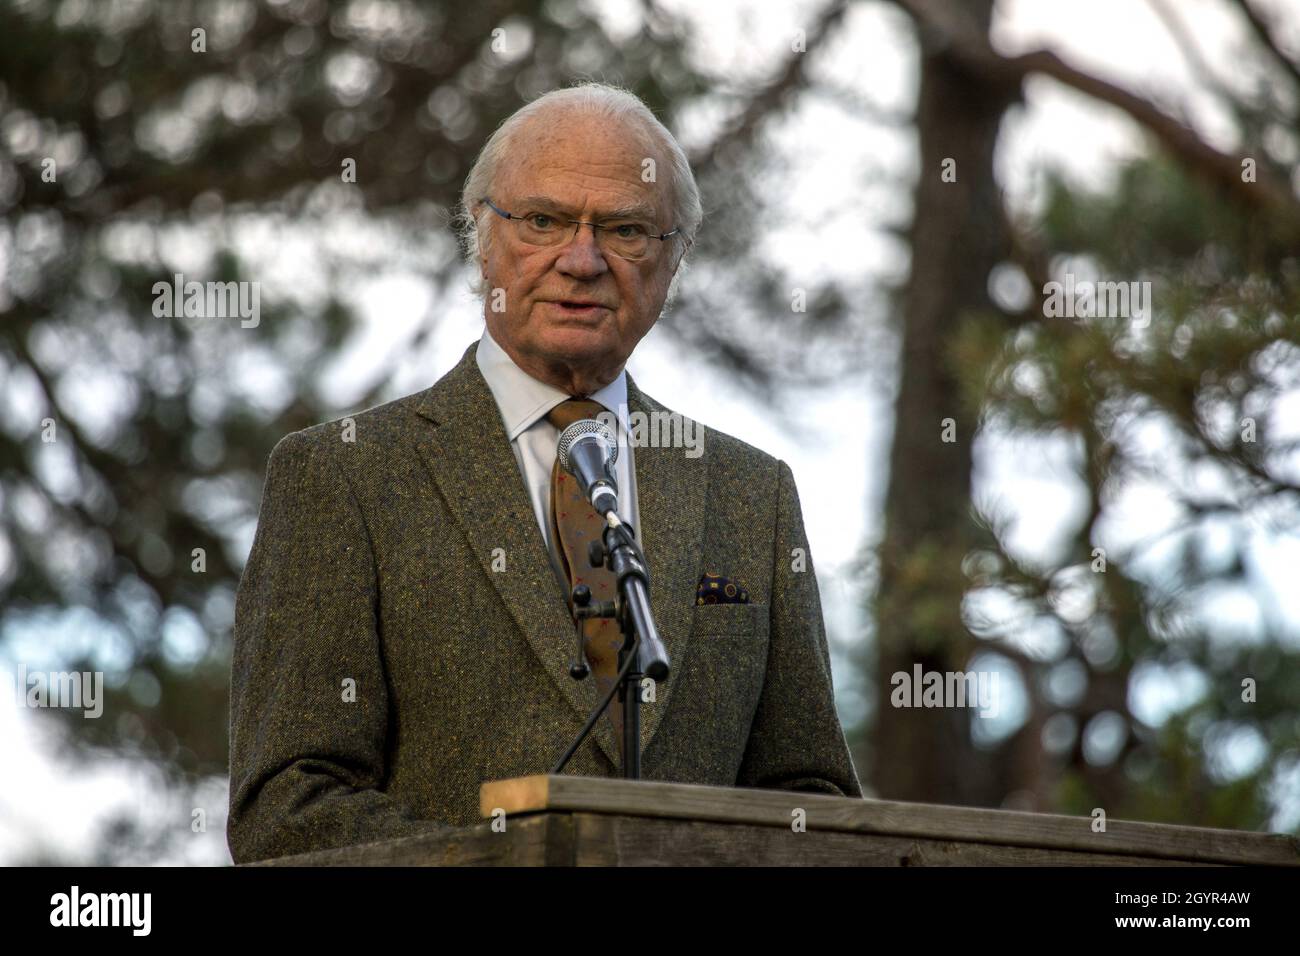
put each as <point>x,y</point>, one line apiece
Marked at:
<point>523,402</point>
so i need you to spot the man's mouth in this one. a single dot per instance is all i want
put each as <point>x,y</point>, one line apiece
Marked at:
<point>578,306</point>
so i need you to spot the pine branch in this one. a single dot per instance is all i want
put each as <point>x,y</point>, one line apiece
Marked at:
<point>769,99</point>
<point>944,34</point>
<point>1265,36</point>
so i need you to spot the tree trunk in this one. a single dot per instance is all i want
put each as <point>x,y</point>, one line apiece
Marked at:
<point>957,237</point>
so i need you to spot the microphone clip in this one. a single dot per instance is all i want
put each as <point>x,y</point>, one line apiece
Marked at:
<point>583,609</point>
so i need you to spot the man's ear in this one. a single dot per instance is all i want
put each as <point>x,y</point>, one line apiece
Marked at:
<point>684,248</point>
<point>677,264</point>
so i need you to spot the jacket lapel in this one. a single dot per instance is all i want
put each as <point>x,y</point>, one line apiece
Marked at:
<point>469,456</point>
<point>671,491</point>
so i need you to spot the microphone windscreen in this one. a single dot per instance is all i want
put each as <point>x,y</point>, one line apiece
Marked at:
<point>581,428</point>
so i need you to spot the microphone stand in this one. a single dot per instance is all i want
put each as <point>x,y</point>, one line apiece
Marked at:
<point>642,654</point>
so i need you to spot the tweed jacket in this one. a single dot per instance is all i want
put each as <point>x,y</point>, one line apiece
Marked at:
<point>400,636</point>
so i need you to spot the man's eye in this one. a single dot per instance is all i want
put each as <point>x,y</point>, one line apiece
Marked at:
<point>540,220</point>
<point>628,230</point>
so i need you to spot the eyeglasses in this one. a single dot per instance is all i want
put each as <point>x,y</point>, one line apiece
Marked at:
<point>624,238</point>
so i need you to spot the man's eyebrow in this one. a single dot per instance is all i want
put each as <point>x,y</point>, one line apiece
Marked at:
<point>627,211</point>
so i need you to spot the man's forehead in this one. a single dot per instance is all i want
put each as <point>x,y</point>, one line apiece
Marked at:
<point>577,159</point>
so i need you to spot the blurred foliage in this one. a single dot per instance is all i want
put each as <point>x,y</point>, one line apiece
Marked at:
<point>169,159</point>
<point>1190,405</point>
<point>1184,408</point>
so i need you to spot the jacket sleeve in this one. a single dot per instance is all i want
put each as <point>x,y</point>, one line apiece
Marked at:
<point>796,741</point>
<point>308,700</point>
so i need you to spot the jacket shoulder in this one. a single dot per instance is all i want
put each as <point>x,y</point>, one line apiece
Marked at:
<point>360,428</point>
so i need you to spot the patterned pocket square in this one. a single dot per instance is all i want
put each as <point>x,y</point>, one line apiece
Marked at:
<point>715,589</point>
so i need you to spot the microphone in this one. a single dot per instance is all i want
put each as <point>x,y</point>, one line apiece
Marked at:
<point>588,451</point>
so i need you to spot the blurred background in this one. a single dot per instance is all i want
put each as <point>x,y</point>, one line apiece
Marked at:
<point>1102,510</point>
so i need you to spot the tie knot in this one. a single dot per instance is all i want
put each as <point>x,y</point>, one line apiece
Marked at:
<point>573,410</point>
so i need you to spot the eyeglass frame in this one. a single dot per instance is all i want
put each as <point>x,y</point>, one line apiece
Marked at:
<point>664,237</point>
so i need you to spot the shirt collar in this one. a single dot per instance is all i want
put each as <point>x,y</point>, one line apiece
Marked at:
<point>522,399</point>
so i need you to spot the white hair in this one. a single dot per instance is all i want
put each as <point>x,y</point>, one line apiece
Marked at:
<point>592,99</point>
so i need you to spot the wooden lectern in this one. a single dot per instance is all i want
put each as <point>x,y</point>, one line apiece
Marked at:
<point>597,821</point>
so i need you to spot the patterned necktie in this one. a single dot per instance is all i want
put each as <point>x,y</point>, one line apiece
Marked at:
<point>574,523</point>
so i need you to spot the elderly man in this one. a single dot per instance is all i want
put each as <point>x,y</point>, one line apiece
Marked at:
<point>404,627</point>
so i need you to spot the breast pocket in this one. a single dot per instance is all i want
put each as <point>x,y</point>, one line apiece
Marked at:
<point>723,675</point>
<point>731,620</point>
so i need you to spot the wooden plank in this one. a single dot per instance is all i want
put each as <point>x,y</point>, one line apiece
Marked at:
<point>526,841</point>
<point>611,840</point>
<point>516,795</point>
<point>561,839</point>
<point>926,821</point>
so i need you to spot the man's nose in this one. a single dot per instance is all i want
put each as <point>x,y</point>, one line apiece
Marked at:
<point>581,256</point>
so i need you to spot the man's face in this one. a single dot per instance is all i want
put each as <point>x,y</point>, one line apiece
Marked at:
<point>572,314</point>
